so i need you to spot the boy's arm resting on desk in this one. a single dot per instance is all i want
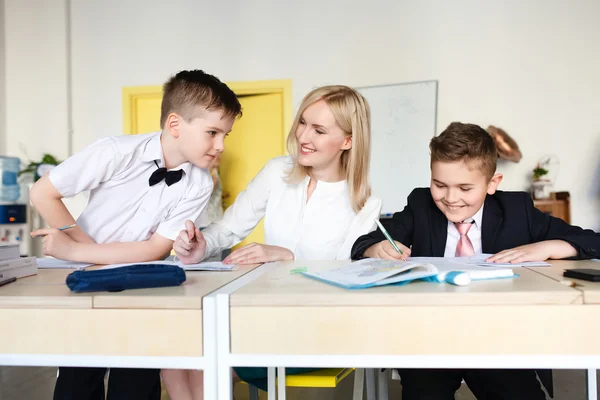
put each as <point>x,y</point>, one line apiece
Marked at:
<point>155,248</point>
<point>544,227</point>
<point>400,227</point>
<point>540,251</point>
<point>47,201</point>
<point>552,238</point>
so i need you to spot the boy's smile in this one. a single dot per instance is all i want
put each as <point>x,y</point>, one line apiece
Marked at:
<point>459,188</point>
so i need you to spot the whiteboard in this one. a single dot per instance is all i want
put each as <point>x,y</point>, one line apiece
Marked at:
<point>403,121</point>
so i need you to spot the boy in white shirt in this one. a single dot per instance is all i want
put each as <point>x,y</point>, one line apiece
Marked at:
<point>142,189</point>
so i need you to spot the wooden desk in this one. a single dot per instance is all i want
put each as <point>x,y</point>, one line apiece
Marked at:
<point>280,319</point>
<point>590,290</point>
<point>291,308</point>
<point>44,323</point>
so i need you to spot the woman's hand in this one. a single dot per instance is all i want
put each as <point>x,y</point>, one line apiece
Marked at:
<point>255,253</point>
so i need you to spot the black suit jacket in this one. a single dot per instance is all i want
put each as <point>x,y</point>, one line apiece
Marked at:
<point>509,220</point>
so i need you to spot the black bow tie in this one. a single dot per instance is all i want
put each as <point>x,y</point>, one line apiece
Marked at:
<point>161,173</point>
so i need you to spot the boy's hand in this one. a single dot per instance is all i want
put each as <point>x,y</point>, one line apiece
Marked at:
<point>541,251</point>
<point>56,243</point>
<point>386,251</point>
<point>255,253</point>
<point>190,245</point>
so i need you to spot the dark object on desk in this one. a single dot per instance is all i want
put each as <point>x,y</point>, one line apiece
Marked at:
<point>558,205</point>
<point>508,149</point>
<point>138,276</point>
<point>587,274</point>
<point>7,281</point>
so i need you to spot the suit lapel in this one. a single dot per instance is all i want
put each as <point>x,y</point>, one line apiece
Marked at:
<point>490,223</point>
<point>438,225</point>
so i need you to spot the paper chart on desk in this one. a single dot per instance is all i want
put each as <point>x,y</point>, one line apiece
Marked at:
<point>477,260</point>
<point>55,263</point>
<point>203,266</point>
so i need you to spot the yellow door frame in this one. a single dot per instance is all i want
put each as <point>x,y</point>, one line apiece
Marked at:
<point>131,94</point>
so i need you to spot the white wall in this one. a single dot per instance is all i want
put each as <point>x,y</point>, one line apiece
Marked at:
<point>527,66</point>
<point>2,81</point>
<point>36,108</point>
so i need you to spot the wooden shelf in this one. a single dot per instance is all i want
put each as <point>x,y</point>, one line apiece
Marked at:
<point>558,205</point>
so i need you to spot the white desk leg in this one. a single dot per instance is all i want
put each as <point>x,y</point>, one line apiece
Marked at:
<point>223,315</point>
<point>281,383</point>
<point>370,375</point>
<point>272,390</point>
<point>359,381</point>
<point>209,322</point>
<point>382,384</point>
<point>224,389</point>
<point>592,390</point>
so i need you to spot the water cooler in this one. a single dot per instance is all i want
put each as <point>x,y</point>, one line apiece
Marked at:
<point>14,207</point>
<point>14,226</point>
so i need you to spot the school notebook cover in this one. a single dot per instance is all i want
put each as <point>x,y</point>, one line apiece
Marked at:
<point>371,272</point>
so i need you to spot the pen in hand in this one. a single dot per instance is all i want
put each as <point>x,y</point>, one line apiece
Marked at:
<point>388,237</point>
<point>64,228</point>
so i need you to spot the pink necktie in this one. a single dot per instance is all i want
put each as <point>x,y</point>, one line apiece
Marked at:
<point>464,248</point>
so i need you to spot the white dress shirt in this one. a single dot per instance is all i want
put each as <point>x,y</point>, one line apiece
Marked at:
<point>474,235</point>
<point>324,228</point>
<point>123,207</point>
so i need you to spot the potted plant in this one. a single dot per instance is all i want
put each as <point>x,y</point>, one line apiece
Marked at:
<point>39,168</point>
<point>541,186</point>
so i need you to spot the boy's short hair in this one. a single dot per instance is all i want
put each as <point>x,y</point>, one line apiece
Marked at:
<point>188,91</point>
<point>465,142</point>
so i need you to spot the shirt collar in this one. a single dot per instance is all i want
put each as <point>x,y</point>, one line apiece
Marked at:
<point>476,219</point>
<point>153,152</point>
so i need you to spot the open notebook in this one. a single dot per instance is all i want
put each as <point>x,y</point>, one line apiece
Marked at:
<point>375,272</point>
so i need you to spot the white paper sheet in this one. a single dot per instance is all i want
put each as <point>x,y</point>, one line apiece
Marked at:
<point>203,266</point>
<point>55,263</point>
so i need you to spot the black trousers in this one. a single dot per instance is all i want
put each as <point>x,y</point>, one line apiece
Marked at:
<point>123,384</point>
<point>486,384</point>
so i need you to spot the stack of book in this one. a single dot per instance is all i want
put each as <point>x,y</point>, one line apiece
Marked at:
<point>12,265</point>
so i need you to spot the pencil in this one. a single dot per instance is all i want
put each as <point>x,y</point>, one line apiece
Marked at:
<point>64,228</point>
<point>387,236</point>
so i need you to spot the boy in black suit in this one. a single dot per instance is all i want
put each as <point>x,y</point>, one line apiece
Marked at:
<point>462,214</point>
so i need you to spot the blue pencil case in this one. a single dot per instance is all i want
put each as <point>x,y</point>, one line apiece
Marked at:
<point>138,276</point>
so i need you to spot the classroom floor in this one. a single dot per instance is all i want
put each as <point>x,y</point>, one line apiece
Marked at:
<point>34,383</point>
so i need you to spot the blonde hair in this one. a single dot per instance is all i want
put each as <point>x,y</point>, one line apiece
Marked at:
<point>352,114</point>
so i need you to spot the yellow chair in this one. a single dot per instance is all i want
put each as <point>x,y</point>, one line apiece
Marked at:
<point>323,378</point>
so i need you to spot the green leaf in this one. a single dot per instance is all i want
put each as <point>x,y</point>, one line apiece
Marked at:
<point>48,159</point>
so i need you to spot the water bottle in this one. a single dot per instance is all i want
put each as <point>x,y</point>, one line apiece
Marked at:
<point>10,190</point>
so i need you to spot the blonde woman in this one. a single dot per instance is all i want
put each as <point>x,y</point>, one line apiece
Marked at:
<point>316,202</point>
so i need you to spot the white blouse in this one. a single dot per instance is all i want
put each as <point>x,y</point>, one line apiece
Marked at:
<point>324,228</point>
